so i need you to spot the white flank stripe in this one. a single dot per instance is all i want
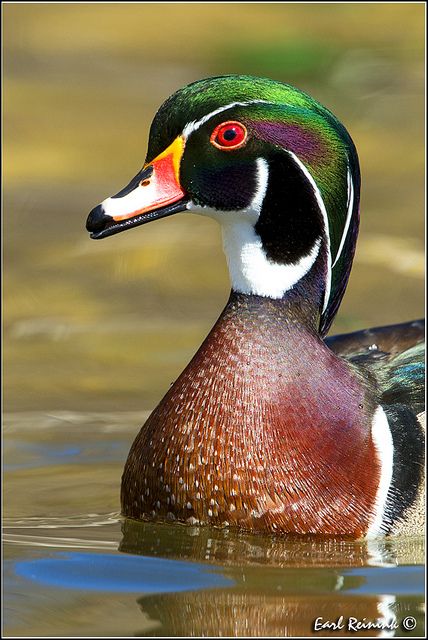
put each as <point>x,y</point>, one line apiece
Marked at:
<point>382,440</point>
<point>348,217</point>
<point>326,227</point>
<point>195,124</point>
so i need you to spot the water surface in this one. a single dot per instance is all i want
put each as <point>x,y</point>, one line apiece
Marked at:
<point>69,572</point>
<point>94,332</point>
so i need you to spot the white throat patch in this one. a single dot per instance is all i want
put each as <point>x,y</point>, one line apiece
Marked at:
<point>250,270</point>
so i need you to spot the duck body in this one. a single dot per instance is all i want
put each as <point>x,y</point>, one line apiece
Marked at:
<point>254,426</point>
<point>270,427</point>
<point>269,430</point>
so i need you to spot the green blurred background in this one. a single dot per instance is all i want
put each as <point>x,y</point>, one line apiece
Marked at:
<point>108,325</point>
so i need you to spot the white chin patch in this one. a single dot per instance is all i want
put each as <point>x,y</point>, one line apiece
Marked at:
<point>250,270</point>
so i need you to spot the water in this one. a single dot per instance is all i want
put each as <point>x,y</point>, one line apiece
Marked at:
<point>70,573</point>
<point>94,332</point>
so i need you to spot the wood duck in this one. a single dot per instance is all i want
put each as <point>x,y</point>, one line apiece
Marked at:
<point>271,427</point>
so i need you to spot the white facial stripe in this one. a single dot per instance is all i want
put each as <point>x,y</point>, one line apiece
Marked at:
<point>384,445</point>
<point>325,219</point>
<point>262,185</point>
<point>348,217</point>
<point>193,126</point>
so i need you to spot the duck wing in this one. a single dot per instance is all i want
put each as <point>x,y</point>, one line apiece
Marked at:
<point>395,355</point>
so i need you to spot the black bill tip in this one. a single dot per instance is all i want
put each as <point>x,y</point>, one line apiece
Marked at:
<point>97,219</point>
<point>101,225</point>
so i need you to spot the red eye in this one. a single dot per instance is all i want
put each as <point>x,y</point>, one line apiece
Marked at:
<point>229,136</point>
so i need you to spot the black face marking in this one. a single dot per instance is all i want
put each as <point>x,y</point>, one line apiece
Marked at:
<point>226,187</point>
<point>290,220</point>
<point>408,463</point>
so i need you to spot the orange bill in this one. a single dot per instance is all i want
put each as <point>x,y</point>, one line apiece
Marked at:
<point>155,192</point>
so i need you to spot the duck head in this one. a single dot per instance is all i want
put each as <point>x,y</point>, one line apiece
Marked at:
<point>273,166</point>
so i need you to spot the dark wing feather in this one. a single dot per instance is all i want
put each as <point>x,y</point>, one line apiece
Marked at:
<point>395,355</point>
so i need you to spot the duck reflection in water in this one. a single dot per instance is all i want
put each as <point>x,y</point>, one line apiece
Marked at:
<point>279,587</point>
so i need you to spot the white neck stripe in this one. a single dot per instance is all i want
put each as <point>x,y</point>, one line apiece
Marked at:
<point>348,217</point>
<point>323,210</point>
<point>195,124</point>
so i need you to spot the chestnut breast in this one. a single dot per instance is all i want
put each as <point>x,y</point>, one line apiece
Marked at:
<point>265,429</point>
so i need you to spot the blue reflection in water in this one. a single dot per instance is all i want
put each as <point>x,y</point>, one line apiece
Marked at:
<point>120,573</point>
<point>403,580</point>
<point>34,456</point>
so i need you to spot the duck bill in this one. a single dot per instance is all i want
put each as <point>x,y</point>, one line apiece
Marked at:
<point>154,193</point>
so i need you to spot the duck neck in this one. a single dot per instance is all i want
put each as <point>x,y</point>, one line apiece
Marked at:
<point>294,290</point>
<point>276,345</point>
<point>291,314</point>
<point>279,247</point>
